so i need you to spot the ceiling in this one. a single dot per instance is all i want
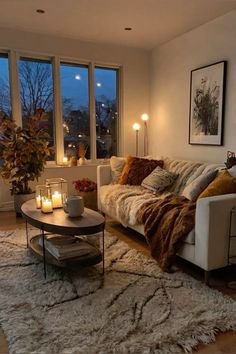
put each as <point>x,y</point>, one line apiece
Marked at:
<point>102,21</point>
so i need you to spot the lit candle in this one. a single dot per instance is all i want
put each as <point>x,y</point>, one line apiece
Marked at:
<point>56,200</point>
<point>38,201</point>
<point>65,161</point>
<point>46,206</point>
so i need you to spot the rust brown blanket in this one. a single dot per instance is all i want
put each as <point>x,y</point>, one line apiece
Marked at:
<point>166,223</point>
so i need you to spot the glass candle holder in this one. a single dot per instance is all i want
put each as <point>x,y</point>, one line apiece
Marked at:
<point>46,201</point>
<point>58,191</point>
<point>40,190</point>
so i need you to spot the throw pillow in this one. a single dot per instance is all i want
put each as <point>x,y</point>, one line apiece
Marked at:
<point>117,165</point>
<point>159,179</point>
<point>232,171</point>
<point>136,169</point>
<point>192,190</point>
<point>224,183</point>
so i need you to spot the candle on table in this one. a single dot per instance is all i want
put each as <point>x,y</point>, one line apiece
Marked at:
<point>46,206</point>
<point>56,200</point>
<point>38,201</point>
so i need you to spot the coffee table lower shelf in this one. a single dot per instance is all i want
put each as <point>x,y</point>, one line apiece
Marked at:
<point>94,256</point>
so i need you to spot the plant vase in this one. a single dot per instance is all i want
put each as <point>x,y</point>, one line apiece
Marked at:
<point>19,200</point>
<point>90,199</point>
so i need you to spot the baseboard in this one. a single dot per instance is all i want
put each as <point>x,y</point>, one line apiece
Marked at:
<point>7,206</point>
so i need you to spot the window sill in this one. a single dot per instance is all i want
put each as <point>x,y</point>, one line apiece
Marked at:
<point>52,164</point>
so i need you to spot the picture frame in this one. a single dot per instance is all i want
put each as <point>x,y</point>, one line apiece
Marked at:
<point>207,96</point>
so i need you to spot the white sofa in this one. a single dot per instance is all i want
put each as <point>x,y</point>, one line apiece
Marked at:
<point>208,244</point>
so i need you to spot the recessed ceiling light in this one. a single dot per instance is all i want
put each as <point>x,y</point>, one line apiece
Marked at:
<point>128,28</point>
<point>40,11</point>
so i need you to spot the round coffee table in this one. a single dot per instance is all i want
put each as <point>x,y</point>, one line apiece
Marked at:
<point>58,222</point>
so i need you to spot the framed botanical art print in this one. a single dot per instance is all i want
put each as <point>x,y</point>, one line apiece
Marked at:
<point>207,91</point>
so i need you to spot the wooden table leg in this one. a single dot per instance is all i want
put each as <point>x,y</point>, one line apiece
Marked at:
<point>27,233</point>
<point>44,255</point>
<point>103,252</point>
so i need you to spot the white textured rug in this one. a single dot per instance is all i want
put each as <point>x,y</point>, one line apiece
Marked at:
<point>135,308</point>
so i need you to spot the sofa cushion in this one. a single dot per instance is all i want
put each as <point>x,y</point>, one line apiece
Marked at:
<point>188,171</point>
<point>117,164</point>
<point>232,171</point>
<point>194,189</point>
<point>136,169</point>
<point>159,179</point>
<point>224,183</point>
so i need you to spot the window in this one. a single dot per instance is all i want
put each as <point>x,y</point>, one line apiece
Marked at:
<point>75,107</point>
<point>36,92</point>
<point>106,102</point>
<point>5,101</point>
<point>74,112</point>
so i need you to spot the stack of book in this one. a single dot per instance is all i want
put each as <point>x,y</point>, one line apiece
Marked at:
<point>65,247</point>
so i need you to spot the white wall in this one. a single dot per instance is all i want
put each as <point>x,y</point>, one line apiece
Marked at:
<point>135,83</point>
<point>170,89</point>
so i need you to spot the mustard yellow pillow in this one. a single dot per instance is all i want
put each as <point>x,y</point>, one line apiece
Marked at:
<point>224,183</point>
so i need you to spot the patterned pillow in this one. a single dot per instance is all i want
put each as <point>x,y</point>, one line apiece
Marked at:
<point>192,190</point>
<point>136,169</point>
<point>159,179</point>
<point>224,183</point>
<point>117,165</point>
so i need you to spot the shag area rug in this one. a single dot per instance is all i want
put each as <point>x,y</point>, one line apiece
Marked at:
<point>134,308</point>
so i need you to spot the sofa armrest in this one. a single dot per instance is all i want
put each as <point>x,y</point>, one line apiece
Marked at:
<point>212,230</point>
<point>103,178</point>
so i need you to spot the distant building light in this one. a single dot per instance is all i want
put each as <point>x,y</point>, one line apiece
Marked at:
<point>77,77</point>
<point>98,84</point>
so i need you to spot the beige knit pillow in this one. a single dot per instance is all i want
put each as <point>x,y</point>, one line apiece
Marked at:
<point>117,165</point>
<point>195,188</point>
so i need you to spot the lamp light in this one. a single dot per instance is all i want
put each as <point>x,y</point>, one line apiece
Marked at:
<point>136,127</point>
<point>145,118</point>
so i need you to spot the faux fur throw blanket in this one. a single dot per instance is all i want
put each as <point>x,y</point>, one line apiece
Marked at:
<point>166,223</point>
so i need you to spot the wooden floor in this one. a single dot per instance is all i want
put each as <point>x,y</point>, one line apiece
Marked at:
<point>225,342</point>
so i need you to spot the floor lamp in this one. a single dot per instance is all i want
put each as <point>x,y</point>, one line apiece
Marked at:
<point>136,127</point>
<point>145,118</point>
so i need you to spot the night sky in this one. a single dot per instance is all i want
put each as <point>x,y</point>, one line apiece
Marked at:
<point>77,89</point>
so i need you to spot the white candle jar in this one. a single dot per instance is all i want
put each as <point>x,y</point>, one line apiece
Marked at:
<point>46,205</point>
<point>40,191</point>
<point>58,191</point>
<point>46,200</point>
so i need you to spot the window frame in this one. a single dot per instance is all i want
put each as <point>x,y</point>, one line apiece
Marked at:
<point>56,60</point>
<point>6,53</point>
